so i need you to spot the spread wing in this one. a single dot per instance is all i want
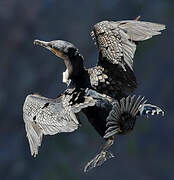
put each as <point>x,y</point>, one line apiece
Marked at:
<point>44,116</point>
<point>116,41</point>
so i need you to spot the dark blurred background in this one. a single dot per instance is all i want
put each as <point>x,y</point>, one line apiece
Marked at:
<point>146,153</point>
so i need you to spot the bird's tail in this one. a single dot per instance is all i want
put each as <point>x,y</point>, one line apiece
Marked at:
<point>121,119</point>
<point>123,115</point>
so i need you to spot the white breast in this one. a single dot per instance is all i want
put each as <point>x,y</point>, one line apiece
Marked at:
<point>66,77</point>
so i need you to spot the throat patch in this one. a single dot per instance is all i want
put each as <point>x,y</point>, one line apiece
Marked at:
<point>66,79</point>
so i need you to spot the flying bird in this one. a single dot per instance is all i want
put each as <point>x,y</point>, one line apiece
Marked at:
<point>116,41</point>
<point>101,92</point>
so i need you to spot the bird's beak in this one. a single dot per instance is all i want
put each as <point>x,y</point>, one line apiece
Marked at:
<point>48,46</point>
<point>43,44</point>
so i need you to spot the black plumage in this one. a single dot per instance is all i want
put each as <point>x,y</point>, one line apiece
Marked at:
<point>45,116</point>
<point>116,42</point>
<point>101,92</point>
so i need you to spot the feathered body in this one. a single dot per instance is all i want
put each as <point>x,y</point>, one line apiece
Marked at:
<point>101,92</point>
<point>116,41</point>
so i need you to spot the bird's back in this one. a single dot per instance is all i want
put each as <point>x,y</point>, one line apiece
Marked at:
<point>109,79</point>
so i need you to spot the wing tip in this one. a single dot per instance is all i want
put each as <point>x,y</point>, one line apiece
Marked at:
<point>34,135</point>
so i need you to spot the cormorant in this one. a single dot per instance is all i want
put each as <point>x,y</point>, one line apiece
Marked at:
<point>116,41</point>
<point>100,92</point>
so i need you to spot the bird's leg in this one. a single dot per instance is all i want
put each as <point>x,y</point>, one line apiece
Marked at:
<point>100,158</point>
<point>108,143</point>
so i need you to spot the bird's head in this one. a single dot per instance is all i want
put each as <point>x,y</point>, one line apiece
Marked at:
<point>69,53</point>
<point>60,48</point>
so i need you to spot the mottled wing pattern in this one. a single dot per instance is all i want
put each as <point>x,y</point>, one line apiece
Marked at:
<point>44,116</point>
<point>116,40</point>
<point>109,43</point>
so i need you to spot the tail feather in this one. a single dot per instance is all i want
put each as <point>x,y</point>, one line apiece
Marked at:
<point>123,111</point>
<point>122,117</point>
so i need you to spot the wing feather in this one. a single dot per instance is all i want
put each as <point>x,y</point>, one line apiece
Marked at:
<point>44,116</point>
<point>116,40</point>
<point>140,30</point>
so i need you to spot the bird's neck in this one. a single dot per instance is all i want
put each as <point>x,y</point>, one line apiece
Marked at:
<point>76,70</point>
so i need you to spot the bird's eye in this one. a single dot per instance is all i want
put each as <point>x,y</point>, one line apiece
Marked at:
<point>50,45</point>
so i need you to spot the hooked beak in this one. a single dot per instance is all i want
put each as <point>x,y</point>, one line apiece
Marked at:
<point>48,46</point>
<point>43,44</point>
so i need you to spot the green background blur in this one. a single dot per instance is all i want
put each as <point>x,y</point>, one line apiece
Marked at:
<point>145,154</point>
